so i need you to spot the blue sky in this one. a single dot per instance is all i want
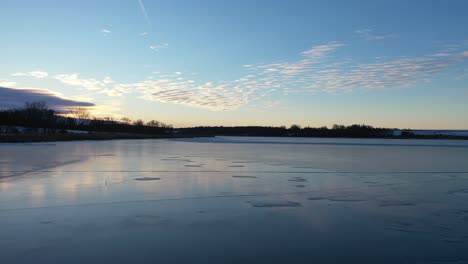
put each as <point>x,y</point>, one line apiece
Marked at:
<point>384,63</point>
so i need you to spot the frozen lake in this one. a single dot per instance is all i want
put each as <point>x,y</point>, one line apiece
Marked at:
<point>235,200</point>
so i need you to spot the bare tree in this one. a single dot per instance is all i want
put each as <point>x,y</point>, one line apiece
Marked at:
<point>80,113</point>
<point>109,119</point>
<point>154,123</point>
<point>126,120</point>
<point>36,106</point>
<point>39,113</point>
<point>138,122</point>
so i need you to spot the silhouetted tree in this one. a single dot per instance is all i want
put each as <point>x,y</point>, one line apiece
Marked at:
<point>39,115</point>
<point>126,120</point>
<point>154,123</point>
<point>80,114</point>
<point>138,122</point>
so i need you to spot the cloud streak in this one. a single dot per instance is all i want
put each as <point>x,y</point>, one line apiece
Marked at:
<point>75,80</point>
<point>369,35</point>
<point>158,47</point>
<point>105,31</point>
<point>143,11</point>
<point>34,74</point>
<point>15,98</point>
<point>7,83</point>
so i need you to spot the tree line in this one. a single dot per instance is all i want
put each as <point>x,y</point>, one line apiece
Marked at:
<point>40,115</point>
<point>37,115</point>
<point>357,131</point>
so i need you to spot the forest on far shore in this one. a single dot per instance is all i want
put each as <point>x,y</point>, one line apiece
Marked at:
<point>38,115</point>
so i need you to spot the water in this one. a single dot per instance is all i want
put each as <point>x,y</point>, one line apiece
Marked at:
<point>235,200</point>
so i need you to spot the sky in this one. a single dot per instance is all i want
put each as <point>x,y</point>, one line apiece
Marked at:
<point>398,64</point>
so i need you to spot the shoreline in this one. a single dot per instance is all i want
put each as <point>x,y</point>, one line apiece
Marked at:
<point>35,137</point>
<point>31,138</point>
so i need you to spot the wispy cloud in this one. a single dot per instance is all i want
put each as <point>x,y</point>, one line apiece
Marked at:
<point>143,11</point>
<point>107,80</point>
<point>316,70</point>
<point>158,47</point>
<point>35,74</point>
<point>369,35</point>
<point>105,31</point>
<point>14,98</point>
<point>7,83</point>
<point>144,34</point>
<point>310,58</point>
<point>89,84</point>
<point>271,104</point>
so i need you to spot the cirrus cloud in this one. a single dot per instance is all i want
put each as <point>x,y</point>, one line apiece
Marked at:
<point>368,34</point>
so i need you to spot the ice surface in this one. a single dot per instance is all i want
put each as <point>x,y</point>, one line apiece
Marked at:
<point>235,200</point>
<point>147,179</point>
<point>297,179</point>
<point>395,203</point>
<point>278,203</point>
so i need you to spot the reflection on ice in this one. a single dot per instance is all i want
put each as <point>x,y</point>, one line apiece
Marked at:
<point>147,179</point>
<point>278,203</point>
<point>394,203</point>
<point>234,199</point>
<point>297,179</point>
<point>244,176</point>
